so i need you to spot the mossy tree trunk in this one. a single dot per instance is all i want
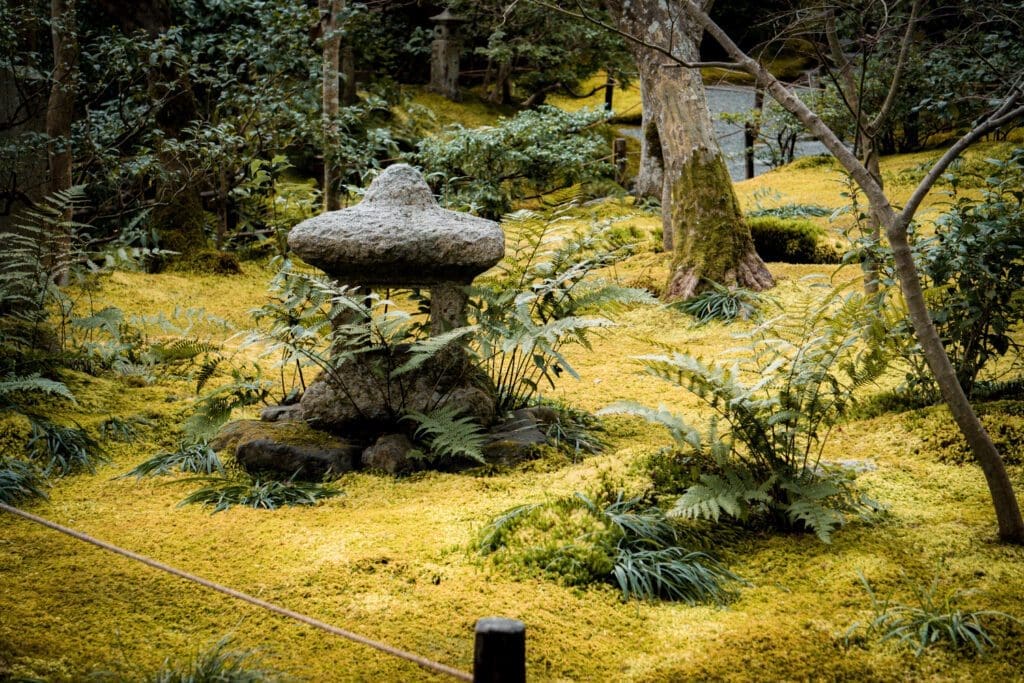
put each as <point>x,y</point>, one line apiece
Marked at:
<point>701,219</point>
<point>896,225</point>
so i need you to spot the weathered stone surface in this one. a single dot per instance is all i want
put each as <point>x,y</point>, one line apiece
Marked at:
<point>390,454</point>
<point>290,448</point>
<point>519,436</point>
<point>398,235</point>
<point>356,398</point>
<point>281,413</point>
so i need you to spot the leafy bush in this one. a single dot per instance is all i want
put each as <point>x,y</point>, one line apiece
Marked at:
<point>62,449</point>
<point>933,622</point>
<point>790,240</point>
<point>20,480</point>
<point>215,665</point>
<point>778,403</point>
<point>721,303</point>
<point>542,297</point>
<point>534,153</point>
<point>198,458</point>
<point>580,540</point>
<point>974,271</point>
<point>262,494</point>
<point>791,211</point>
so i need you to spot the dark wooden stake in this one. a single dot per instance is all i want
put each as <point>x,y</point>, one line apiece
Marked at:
<point>619,159</point>
<point>500,655</point>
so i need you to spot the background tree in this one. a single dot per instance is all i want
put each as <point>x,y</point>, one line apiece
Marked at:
<point>59,112</point>
<point>700,214</point>
<point>1007,110</point>
<point>538,51</point>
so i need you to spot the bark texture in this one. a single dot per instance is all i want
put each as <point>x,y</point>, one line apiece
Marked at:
<point>700,215</point>
<point>1004,500</point>
<point>59,112</point>
<point>651,175</point>
<point>329,11</point>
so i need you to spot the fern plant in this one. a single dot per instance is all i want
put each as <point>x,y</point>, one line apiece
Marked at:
<point>544,296</point>
<point>448,435</point>
<point>197,458</point>
<point>933,622</point>
<point>221,493</point>
<point>612,539</point>
<point>778,404</point>
<point>20,480</point>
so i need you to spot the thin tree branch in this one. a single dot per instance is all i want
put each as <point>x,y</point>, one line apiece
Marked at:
<point>676,61</point>
<point>901,63</point>
<point>1007,112</point>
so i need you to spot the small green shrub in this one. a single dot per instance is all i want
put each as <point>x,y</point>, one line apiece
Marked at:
<point>62,449</point>
<point>262,494</point>
<point>721,303</point>
<point>790,240</point>
<point>197,458</point>
<point>933,622</point>
<point>580,540</point>
<point>791,211</point>
<point>533,153</point>
<point>778,403</point>
<point>19,481</point>
<point>216,665</point>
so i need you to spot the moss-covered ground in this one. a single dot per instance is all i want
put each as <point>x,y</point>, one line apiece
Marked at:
<point>392,559</point>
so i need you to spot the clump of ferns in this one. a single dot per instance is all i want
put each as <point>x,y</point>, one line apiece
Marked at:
<point>934,621</point>
<point>626,542</point>
<point>258,491</point>
<point>189,457</point>
<point>544,296</point>
<point>760,456</point>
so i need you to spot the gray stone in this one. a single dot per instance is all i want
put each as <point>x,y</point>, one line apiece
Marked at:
<point>398,236</point>
<point>390,454</point>
<point>281,413</point>
<point>519,436</point>
<point>288,448</point>
<point>356,397</point>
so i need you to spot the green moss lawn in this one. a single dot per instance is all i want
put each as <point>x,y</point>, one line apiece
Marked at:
<point>393,559</point>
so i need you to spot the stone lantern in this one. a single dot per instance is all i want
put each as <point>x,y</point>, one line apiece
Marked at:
<point>398,236</point>
<point>444,54</point>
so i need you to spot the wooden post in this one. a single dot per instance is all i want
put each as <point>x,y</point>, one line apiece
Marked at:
<point>500,654</point>
<point>619,159</point>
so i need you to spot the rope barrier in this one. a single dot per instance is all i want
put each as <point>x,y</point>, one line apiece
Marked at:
<point>423,662</point>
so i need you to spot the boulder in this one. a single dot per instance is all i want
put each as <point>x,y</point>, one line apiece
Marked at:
<point>390,454</point>
<point>287,447</point>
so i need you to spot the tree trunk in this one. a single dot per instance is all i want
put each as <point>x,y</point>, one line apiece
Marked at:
<point>59,112</point>
<point>329,11</point>
<point>651,176</point>
<point>348,74</point>
<point>700,214</point>
<point>1004,501</point>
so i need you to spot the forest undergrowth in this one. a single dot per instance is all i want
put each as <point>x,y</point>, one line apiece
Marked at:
<point>396,560</point>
